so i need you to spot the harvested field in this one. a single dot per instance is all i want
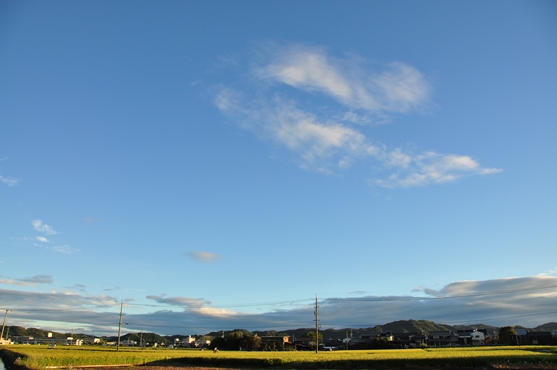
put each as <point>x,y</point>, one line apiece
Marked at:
<point>41,357</point>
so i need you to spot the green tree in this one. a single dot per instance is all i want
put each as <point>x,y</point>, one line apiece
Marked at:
<point>250,342</point>
<point>219,342</point>
<point>235,340</point>
<point>311,336</point>
<point>508,335</point>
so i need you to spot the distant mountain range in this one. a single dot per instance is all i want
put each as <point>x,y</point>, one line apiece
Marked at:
<point>401,326</point>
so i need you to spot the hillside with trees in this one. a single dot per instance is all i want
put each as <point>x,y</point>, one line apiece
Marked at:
<point>550,326</point>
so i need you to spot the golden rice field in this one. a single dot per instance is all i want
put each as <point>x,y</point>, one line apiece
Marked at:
<point>43,357</point>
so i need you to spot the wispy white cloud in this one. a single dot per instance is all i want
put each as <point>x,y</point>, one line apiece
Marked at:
<point>183,302</point>
<point>64,249</point>
<point>323,135</point>
<point>10,181</point>
<point>549,272</point>
<point>30,281</point>
<point>396,88</point>
<point>79,287</point>
<point>203,256</point>
<point>309,69</point>
<point>38,225</point>
<point>358,292</point>
<point>428,168</point>
<point>403,88</point>
<point>502,291</point>
<point>321,146</point>
<point>111,289</point>
<point>38,279</point>
<point>11,282</point>
<point>199,305</point>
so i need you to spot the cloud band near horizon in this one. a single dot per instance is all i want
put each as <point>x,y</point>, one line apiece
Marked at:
<point>528,301</point>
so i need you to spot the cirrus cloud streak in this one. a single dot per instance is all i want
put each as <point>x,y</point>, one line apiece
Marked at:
<point>326,135</point>
<point>203,256</point>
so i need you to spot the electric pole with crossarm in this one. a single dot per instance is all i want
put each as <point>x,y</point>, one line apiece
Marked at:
<point>4,325</point>
<point>316,325</point>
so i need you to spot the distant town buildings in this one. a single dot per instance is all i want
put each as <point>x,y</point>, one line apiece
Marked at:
<point>68,341</point>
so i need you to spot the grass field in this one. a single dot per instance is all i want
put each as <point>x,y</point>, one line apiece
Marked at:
<point>41,357</point>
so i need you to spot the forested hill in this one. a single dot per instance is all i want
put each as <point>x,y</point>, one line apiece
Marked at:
<point>412,326</point>
<point>550,326</point>
<point>401,326</point>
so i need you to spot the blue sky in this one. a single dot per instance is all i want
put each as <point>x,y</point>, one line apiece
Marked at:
<point>219,164</point>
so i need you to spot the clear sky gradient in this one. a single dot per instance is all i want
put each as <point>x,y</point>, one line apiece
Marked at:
<point>219,164</point>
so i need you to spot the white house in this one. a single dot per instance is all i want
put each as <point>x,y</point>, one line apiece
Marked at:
<point>477,337</point>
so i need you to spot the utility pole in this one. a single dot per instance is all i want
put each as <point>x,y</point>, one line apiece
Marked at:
<point>316,325</point>
<point>120,326</point>
<point>4,325</point>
